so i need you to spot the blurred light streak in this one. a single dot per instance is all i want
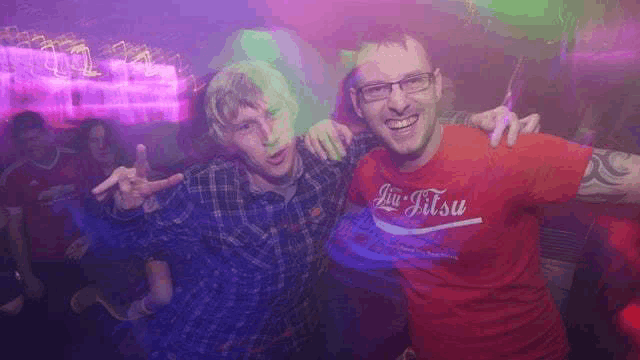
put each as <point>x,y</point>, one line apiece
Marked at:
<point>48,44</point>
<point>87,69</point>
<point>145,58</point>
<point>60,78</point>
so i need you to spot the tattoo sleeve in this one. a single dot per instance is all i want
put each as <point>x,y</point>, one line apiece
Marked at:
<point>605,178</point>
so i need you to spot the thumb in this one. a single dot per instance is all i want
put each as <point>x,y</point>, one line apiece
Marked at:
<point>141,165</point>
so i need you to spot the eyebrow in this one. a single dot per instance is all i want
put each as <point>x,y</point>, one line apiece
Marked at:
<point>248,119</point>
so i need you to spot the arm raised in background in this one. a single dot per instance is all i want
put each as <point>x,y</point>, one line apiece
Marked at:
<point>611,177</point>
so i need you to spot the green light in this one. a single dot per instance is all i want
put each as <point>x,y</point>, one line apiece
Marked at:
<point>259,45</point>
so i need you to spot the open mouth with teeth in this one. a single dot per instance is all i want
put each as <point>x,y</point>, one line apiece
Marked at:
<point>399,124</point>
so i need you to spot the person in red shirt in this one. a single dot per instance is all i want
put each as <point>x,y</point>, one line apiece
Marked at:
<point>457,218</point>
<point>42,192</point>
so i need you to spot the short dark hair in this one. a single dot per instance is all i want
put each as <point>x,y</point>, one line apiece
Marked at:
<point>24,121</point>
<point>384,34</point>
<point>390,35</point>
<point>344,111</point>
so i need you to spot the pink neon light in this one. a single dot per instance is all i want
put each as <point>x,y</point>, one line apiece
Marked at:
<point>138,92</point>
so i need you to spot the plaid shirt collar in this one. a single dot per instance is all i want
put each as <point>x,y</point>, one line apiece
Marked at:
<point>298,171</point>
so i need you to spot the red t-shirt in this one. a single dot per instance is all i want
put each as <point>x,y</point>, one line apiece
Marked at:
<point>51,201</point>
<point>475,288</point>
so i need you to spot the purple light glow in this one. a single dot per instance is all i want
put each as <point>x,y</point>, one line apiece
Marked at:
<point>134,92</point>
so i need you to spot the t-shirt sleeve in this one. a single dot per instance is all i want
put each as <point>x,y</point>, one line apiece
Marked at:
<point>551,167</point>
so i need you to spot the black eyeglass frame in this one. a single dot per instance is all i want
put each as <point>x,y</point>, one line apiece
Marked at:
<point>431,80</point>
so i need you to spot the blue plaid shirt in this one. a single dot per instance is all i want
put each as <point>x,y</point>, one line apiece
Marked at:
<point>245,264</point>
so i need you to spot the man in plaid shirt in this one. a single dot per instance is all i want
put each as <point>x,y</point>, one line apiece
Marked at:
<point>242,236</point>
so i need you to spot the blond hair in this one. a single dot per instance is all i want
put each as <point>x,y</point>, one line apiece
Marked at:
<point>246,84</point>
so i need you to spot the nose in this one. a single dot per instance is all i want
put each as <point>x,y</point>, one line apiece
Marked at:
<point>397,101</point>
<point>102,144</point>
<point>266,131</point>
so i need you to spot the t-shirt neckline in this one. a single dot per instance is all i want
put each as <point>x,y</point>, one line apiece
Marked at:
<point>390,169</point>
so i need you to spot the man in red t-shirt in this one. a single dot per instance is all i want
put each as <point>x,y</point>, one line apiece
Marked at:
<point>456,217</point>
<point>42,193</point>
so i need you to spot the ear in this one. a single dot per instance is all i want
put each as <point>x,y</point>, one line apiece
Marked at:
<point>438,80</point>
<point>222,139</point>
<point>354,100</point>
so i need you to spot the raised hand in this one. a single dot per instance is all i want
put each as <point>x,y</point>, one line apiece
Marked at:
<point>134,189</point>
<point>497,120</point>
<point>328,139</point>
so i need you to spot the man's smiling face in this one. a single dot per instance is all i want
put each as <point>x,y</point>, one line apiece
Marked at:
<point>404,120</point>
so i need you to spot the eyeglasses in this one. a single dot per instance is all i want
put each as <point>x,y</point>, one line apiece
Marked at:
<point>409,85</point>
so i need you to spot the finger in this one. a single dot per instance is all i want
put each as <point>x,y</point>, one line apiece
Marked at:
<point>530,123</point>
<point>319,150</point>
<point>337,142</point>
<point>307,144</point>
<point>346,135</point>
<point>101,197</point>
<point>514,129</point>
<point>154,186</point>
<point>112,180</point>
<point>141,165</point>
<point>501,125</point>
<point>326,143</point>
<point>338,150</point>
<point>537,129</point>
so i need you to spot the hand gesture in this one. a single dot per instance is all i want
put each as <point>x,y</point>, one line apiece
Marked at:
<point>134,190</point>
<point>78,248</point>
<point>497,120</point>
<point>328,139</point>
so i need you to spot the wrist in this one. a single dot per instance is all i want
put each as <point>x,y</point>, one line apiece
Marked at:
<point>149,305</point>
<point>144,306</point>
<point>137,310</point>
<point>467,120</point>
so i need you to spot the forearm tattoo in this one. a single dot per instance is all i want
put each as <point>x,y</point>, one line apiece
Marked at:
<point>605,173</point>
<point>455,118</point>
